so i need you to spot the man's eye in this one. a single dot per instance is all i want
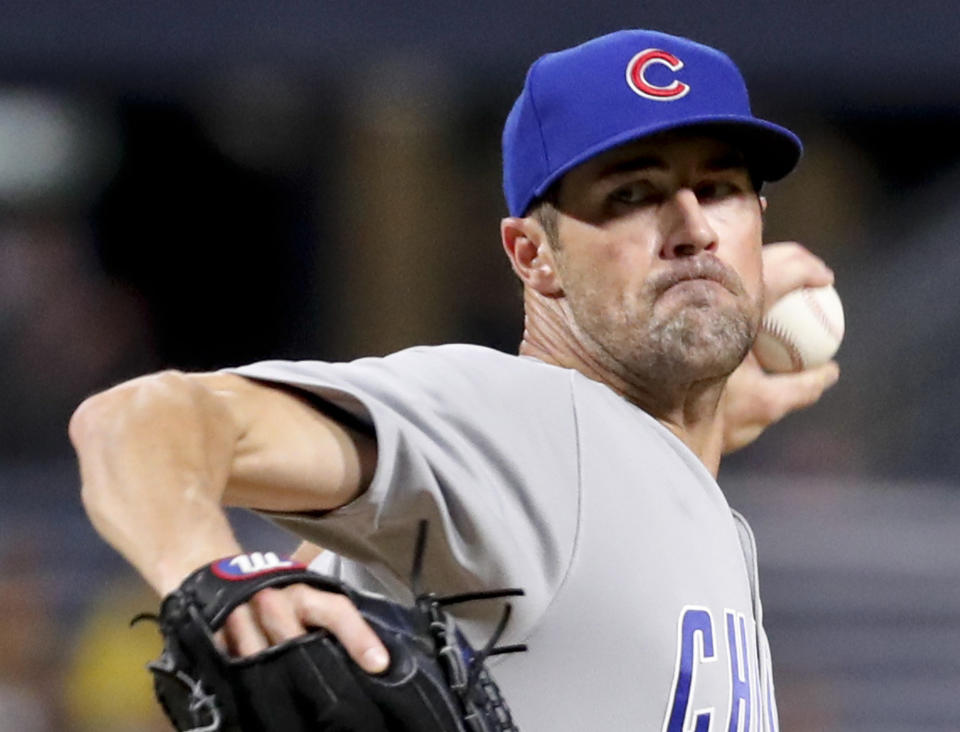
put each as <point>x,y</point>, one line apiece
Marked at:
<point>634,193</point>
<point>716,190</point>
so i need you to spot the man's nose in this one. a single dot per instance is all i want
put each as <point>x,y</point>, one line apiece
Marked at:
<point>687,229</point>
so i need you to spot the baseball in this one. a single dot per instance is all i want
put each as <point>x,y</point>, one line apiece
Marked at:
<point>802,330</point>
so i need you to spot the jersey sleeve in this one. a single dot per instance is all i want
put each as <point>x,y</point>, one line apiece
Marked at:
<point>481,444</point>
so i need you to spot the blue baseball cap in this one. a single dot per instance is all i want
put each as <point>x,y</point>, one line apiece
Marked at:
<point>588,99</point>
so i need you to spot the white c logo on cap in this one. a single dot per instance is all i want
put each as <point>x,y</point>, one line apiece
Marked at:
<point>636,76</point>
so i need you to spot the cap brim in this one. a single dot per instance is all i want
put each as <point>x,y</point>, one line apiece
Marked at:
<point>771,151</point>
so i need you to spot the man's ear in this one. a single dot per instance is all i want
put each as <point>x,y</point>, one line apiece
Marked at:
<point>763,204</point>
<point>530,254</point>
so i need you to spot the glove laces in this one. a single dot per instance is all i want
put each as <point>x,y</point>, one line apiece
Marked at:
<point>200,701</point>
<point>442,628</point>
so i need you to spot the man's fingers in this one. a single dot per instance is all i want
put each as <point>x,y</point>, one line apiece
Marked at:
<point>789,265</point>
<point>338,615</point>
<point>799,390</point>
<point>276,615</point>
<point>242,633</point>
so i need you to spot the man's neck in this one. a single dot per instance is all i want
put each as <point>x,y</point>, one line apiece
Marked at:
<point>690,410</point>
<point>698,423</point>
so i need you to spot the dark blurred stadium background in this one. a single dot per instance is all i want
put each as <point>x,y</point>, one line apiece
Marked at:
<point>200,184</point>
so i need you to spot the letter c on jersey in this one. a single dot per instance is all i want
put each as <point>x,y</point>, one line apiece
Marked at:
<point>695,647</point>
<point>637,76</point>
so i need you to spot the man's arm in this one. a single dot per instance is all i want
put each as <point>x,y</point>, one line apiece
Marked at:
<point>306,552</point>
<point>161,454</point>
<point>753,399</point>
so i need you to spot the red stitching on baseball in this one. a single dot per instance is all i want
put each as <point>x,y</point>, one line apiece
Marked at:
<point>827,323</point>
<point>782,337</point>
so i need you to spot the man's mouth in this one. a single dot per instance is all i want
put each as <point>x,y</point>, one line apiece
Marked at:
<point>698,269</point>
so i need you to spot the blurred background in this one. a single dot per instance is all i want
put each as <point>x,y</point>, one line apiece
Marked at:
<point>202,184</point>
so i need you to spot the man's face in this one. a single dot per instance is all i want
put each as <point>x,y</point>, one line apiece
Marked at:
<point>659,257</point>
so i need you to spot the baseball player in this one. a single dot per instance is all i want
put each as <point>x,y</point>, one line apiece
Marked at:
<point>583,469</point>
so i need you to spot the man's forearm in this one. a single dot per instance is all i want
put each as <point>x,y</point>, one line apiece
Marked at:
<point>155,457</point>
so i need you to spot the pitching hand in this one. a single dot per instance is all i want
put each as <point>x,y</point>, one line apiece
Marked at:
<point>754,399</point>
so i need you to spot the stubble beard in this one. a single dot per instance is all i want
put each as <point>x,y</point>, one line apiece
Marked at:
<point>694,342</point>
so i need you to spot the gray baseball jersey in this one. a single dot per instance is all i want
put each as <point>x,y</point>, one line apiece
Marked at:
<point>642,611</point>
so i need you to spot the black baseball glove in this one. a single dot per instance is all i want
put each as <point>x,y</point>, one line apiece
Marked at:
<point>435,682</point>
